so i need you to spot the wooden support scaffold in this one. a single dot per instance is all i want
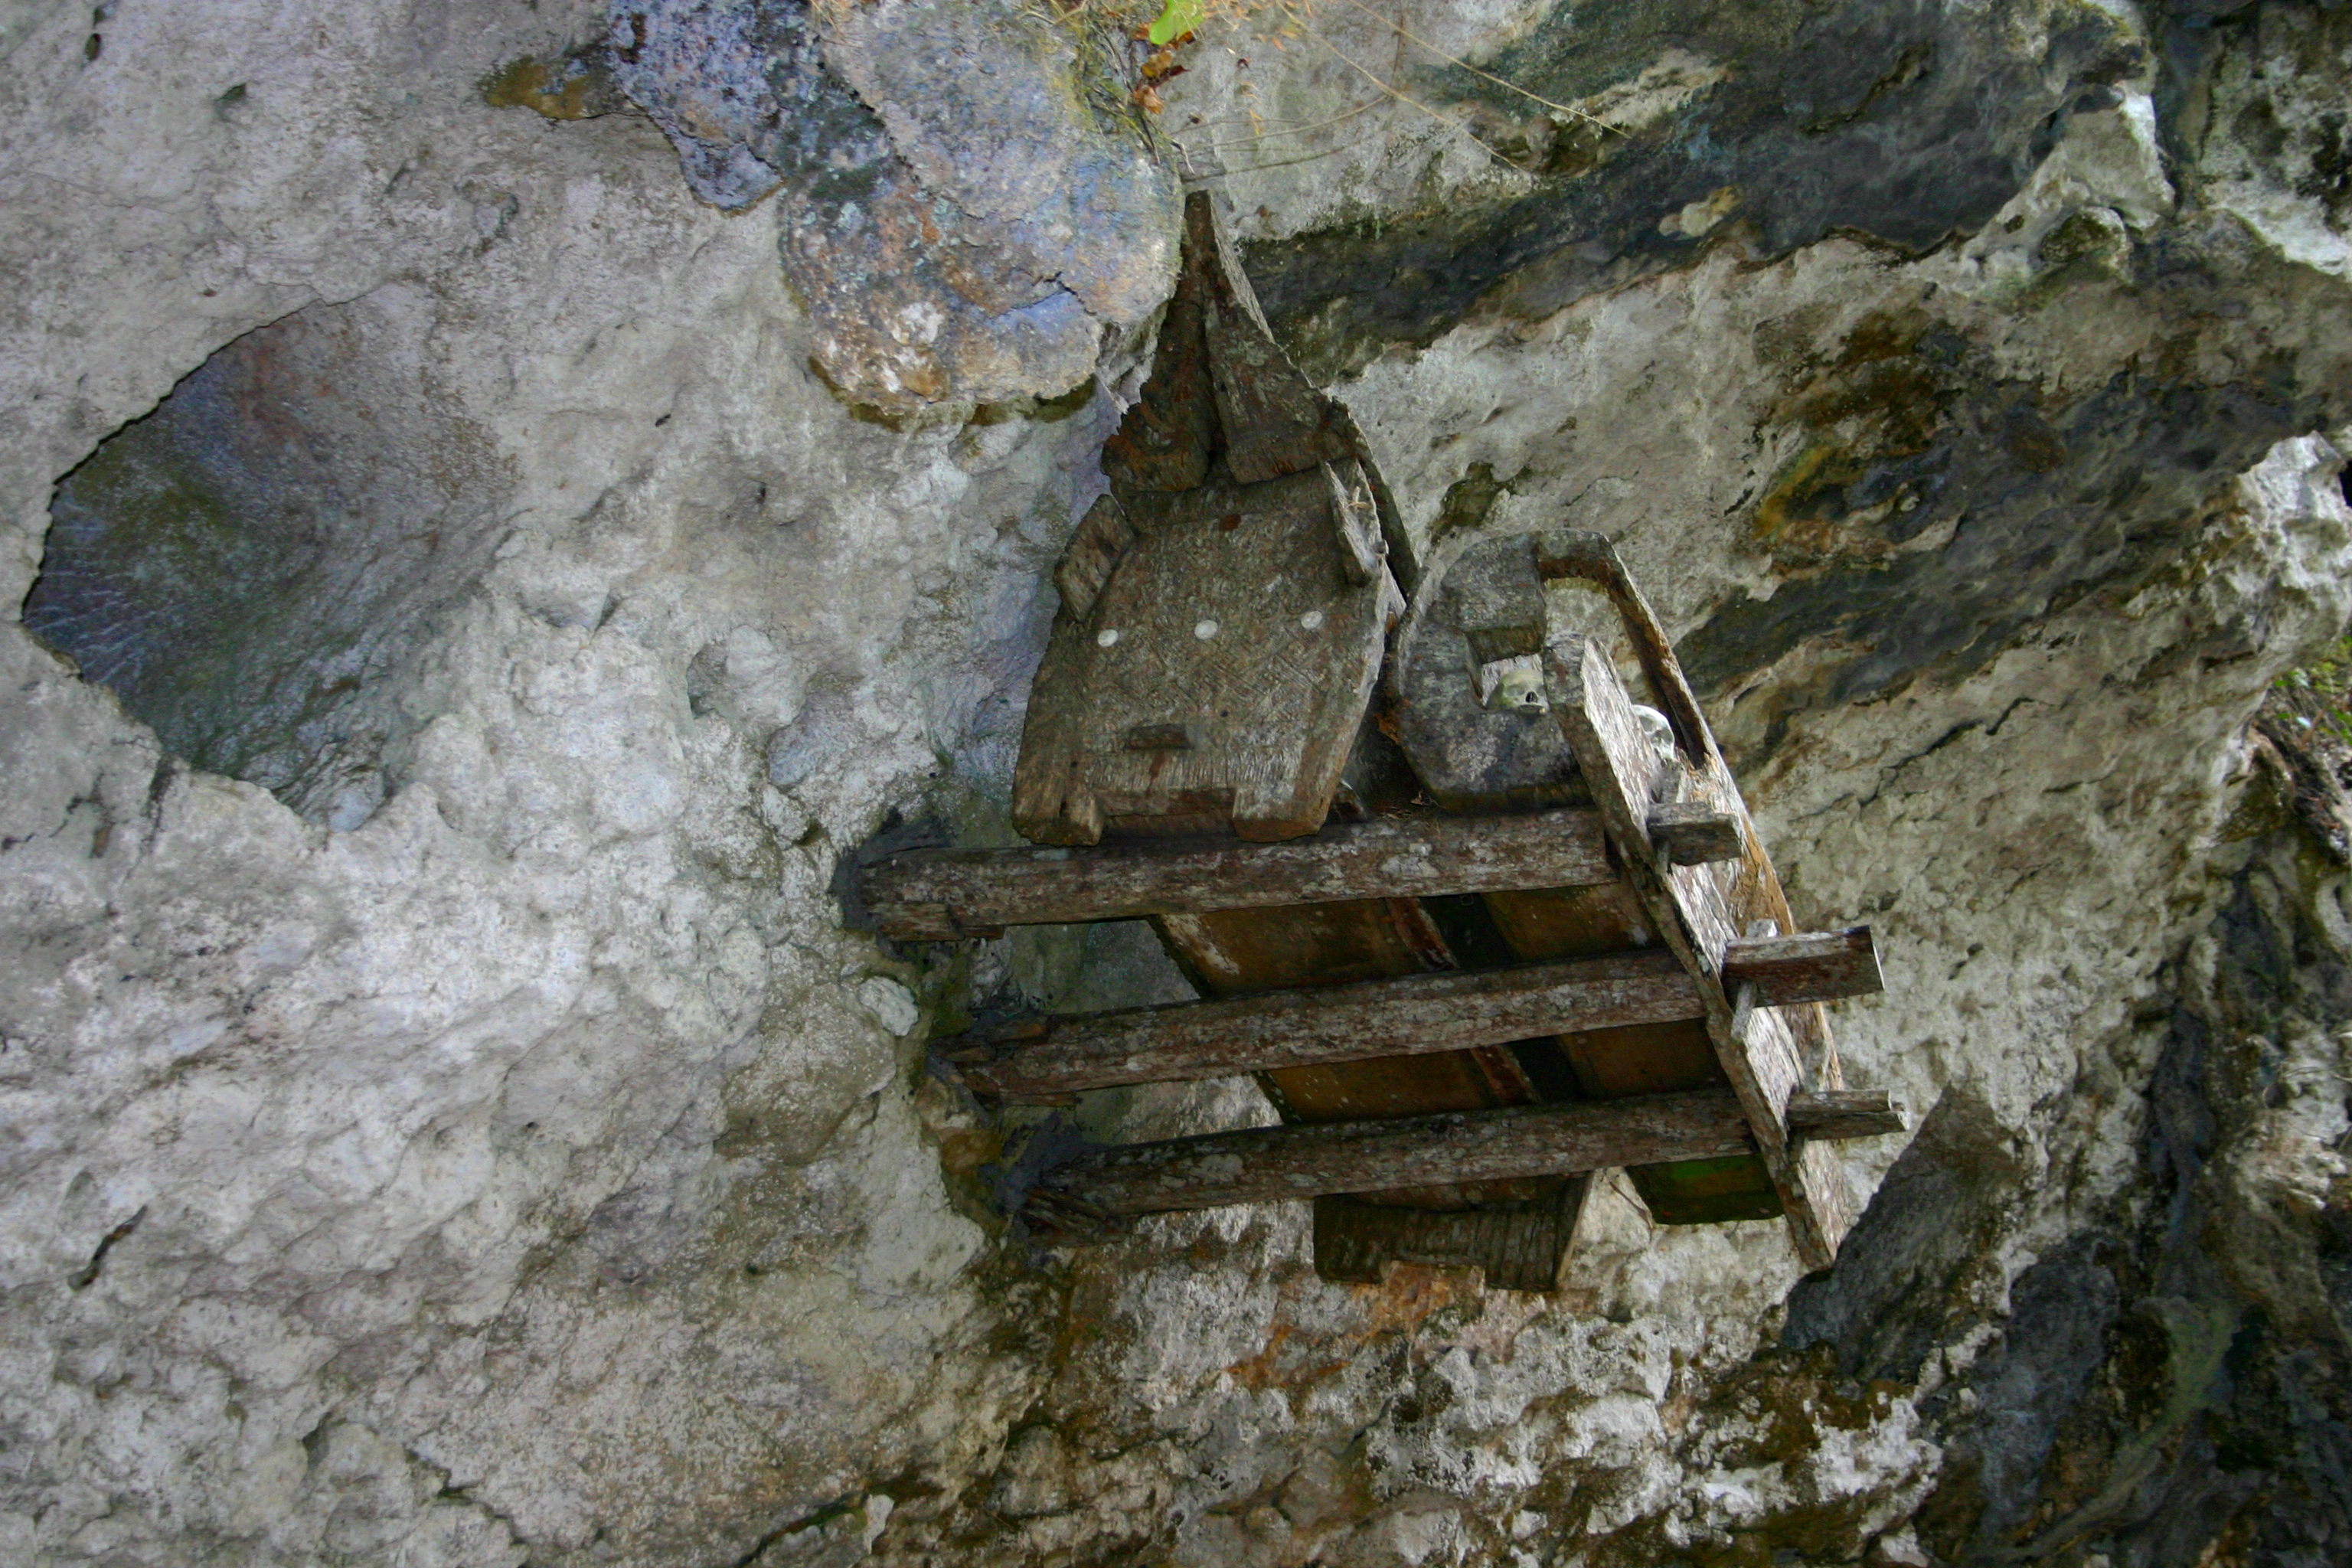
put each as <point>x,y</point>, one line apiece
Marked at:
<point>1480,923</point>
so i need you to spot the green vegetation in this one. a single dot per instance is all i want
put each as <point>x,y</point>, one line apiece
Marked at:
<point>1177,18</point>
<point>2318,695</point>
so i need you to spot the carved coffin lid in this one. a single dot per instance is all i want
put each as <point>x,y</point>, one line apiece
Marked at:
<point>1223,609</point>
<point>1479,619</point>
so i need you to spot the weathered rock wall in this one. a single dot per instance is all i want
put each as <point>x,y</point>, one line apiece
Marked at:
<point>445,1120</point>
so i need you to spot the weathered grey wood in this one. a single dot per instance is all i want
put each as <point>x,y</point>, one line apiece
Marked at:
<point>1744,892</point>
<point>1791,1042</point>
<point>1811,966</point>
<point>1517,1247</point>
<point>1597,719</point>
<point>1273,419</point>
<point>1483,602</point>
<point>1695,911</point>
<point>941,894</point>
<point>1048,1058</point>
<point>1224,618</point>
<point>1234,616</point>
<point>1843,1113</point>
<point>1355,518</point>
<point>1272,1163</point>
<point>1589,557</point>
<point>1403,564</point>
<point>1166,437</point>
<point>1694,832</point>
<point>1103,536</point>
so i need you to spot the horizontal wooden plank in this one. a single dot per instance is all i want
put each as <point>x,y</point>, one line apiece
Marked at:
<point>1271,1164</point>
<point>1089,1195</point>
<point>1049,1058</point>
<point>940,894</point>
<point>1838,1114</point>
<point>1694,832</point>
<point>1811,966</point>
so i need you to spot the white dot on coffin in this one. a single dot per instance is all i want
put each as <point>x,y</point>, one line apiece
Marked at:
<point>1311,620</point>
<point>1107,636</point>
<point>1204,630</point>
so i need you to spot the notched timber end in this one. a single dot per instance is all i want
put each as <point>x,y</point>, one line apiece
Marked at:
<point>1691,833</point>
<point>1847,1114</point>
<point>1524,1246</point>
<point>1812,966</point>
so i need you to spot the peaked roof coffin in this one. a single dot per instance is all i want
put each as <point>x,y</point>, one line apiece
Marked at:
<point>1500,930</point>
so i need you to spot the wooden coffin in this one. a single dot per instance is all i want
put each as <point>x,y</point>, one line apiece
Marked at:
<point>1473,931</point>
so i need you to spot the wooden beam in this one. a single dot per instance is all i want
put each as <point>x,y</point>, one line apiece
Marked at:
<point>1270,1164</point>
<point>1694,832</point>
<point>1700,910</point>
<point>1812,966</point>
<point>1591,558</point>
<point>936,895</point>
<point>1046,1059</point>
<point>1840,1113</point>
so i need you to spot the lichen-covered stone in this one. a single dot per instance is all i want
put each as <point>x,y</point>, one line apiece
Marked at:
<point>971,201</point>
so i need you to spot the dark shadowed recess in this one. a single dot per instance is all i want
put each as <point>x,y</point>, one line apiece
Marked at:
<point>249,567</point>
<point>2046,501</point>
<point>1900,1292</point>
<point>1908,122</point>
<point>2171,1386</point>
<point>1907,125</point>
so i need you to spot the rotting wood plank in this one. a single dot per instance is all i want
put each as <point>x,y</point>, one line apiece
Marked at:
<point>1842,1113</point>
<point>1518,1246</point>
<point>1270,1164</point>
<point>1165,440</point>
<point>939,895</point>
<point>1103,536</point>
<point>1694,913</point>
<point>1481,602</point>
<point>1242,613</point>
<point>1273,419</point>
<point>1811,966</point>
<point>1050,1057</point>
<point>1693,833</point>
<point>1591,558</point>
<point>1045,1060</point>
<point>1744,893</point>
<point>1472,716</point>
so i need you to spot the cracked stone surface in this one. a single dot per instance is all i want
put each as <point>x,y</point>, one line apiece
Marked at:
<point>474,580</point>
<point>971,201</point>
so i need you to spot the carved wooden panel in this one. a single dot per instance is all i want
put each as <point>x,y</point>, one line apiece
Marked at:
<point>1222,667</point>
<point>1224,610</point>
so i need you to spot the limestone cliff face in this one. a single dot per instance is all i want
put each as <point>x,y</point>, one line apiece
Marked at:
<point>491,522</point>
